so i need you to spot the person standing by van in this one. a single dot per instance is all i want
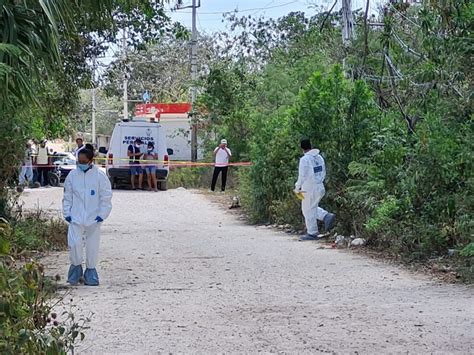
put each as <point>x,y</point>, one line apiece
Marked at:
<point>43,163</point>
<point>222,155</point>
<point>134,153</point>
<point>150,168</point>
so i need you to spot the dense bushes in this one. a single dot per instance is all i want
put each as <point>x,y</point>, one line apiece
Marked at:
<point>409,193</point>
<point>27,324</point>
<point>425,190</point>
<point>338,116</point>
<point>395,126</point>
<point>24,233</point>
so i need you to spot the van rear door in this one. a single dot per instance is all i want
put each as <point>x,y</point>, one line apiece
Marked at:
<point>144,131</point>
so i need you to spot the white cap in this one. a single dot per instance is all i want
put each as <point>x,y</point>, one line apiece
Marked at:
<point>224,141</point>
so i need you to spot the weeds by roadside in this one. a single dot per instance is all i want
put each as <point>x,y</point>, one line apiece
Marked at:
<point>27,323</point>
<point>34,232</point>
<point>199,177</point>
<point>188,177</point>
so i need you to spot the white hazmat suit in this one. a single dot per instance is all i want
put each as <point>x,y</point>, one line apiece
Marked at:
<point>87,201</point>
<point>311,175</point>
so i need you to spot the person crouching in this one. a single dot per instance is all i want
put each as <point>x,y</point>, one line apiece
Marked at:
<point>311,175</point>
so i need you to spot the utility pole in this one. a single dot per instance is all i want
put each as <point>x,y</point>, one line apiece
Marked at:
<point>125,75</point>
<point>347,30</point>
<point>94,64</point>
<point>347,22</point>
<point>193,88</point>
<point>194,145</point>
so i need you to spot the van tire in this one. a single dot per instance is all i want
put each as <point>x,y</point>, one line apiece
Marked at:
<point>54,179</point>
<point>163,185</point>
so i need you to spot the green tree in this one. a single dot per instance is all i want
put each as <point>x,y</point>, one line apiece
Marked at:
<point>161,67</point>
<point>391,112</point>
<point>43,54</point>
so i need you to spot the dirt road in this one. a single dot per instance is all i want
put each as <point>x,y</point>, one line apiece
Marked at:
<point>181,275</point>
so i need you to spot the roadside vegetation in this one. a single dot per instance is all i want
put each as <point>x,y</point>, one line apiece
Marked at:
<point>45,55</point>
<point>391,112</point>
<point>28,323</point>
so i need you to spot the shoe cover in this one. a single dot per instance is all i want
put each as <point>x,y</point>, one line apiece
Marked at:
<point>91,278</point>
<point>74,274</point>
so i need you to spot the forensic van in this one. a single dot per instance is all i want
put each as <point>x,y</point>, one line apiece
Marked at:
<point>124,134</point>
<point>175,119</point>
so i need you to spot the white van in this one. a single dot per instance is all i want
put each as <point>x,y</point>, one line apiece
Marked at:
<point>174,117</point>
<point>124,134</point>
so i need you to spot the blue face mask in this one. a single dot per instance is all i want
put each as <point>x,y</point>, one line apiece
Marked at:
<point>83,167</point>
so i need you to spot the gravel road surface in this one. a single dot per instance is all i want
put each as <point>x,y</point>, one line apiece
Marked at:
<point>180,274</point>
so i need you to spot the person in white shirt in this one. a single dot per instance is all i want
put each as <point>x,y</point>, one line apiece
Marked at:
<point>43,163</point>
<point>311,175</point>
<point>222,155</point>
<point>80,146</point>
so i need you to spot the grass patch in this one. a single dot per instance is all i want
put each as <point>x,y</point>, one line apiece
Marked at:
<point>35,232</point>
<point>28,324</point>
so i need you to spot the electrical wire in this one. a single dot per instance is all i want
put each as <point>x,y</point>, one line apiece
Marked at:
<point>268,4</point>
<point>201,29</point>
<point>237,10</point>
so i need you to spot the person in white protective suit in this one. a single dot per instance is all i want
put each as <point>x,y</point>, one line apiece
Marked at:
<point>311,175</point>
<point>87,203</point>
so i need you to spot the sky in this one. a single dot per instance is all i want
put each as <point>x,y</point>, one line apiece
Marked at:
<point>209,15</point>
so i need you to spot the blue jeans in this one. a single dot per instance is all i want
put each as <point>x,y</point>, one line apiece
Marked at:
<point>28,172</point>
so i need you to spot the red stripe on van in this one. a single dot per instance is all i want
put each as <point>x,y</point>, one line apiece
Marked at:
<point>162,108</point>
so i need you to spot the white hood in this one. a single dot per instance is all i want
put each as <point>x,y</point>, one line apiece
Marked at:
<point>313,152</point>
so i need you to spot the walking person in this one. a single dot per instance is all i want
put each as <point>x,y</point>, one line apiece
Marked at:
<point>151,157</point>
<point>26,172</point>
<point>43,163</point>
<point>311,175</point>
<point>87,203</point>
<point>222,156</point>
<point>134,153</point>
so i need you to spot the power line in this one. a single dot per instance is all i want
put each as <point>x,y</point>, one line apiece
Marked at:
<point>199,23</point>
<point>266,5</point>
<point>243,10</point>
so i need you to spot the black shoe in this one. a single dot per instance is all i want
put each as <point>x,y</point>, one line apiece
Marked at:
<point>307,237</point>
<point>329,220</point>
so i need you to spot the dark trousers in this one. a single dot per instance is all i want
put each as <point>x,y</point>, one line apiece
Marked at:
<point>217,171</point>
<point>43,177</point>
